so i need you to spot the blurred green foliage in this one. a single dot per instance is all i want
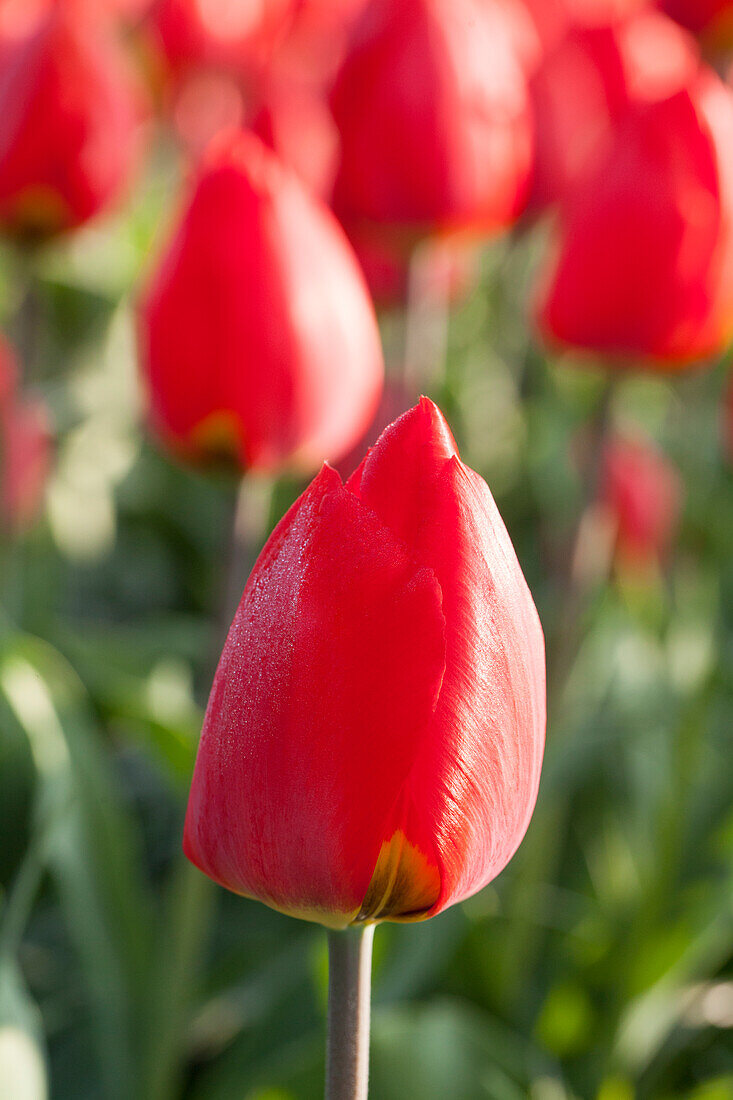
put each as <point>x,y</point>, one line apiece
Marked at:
<point>599,964</point>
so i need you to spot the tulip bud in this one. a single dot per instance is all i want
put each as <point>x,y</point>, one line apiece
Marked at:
<point>373,740</point>
<point>259,341</point>
<point>642,493</point>
<point>584,87</point>
<point>70,138</point>
<point>24,449</point>
<point>432,107</point>
<point>645,256</point>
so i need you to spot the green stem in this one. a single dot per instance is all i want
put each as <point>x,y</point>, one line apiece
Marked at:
<point>427,318</point>
<point>349,998</point>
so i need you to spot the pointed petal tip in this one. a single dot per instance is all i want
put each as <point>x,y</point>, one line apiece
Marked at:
<point>438,426</point>
<point>424,423</point>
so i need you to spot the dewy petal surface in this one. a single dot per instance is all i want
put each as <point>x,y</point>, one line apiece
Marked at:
<point>327,684</point>
<point>473,785</point>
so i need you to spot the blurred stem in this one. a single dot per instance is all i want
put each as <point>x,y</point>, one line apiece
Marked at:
<point>427,315</point>
<point>250,515</point>
<point>349,999</point>
<point>28,317</point>
<point>580,574</point>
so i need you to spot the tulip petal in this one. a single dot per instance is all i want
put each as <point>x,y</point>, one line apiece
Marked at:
<point>471,791</point>
<point>303,756</point>
<point>478,773</point>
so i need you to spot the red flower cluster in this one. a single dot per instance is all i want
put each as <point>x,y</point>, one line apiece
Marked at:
<point>383,761</point>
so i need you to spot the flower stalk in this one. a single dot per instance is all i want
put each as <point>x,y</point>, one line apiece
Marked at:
<point>349,1002</point>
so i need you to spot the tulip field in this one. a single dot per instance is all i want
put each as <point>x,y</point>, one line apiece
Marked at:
<point>366,550</point>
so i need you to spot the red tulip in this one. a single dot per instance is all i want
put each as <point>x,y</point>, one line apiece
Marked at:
<point>374,736</point>
<point>432,107</point>
<point>584,87</point>
<point>642,493</point>
<point>24,449</point>
<point>71,110</point>
<point>19,18</point>
<point>259,340</point>
<point>711,18</point>
<point>645,263</point>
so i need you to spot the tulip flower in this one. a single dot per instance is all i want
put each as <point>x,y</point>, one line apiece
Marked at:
<point>584,87</point>
<point>71,110</point>
<point>372,745</point>
<point>24,449</point>
<point>259,341</point>
<point>432,107</point>
<point>642,492</point>
<point>644,266</point>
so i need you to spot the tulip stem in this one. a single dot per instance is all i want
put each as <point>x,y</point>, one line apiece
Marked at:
<point>349,999</point>
<point>427,319</point>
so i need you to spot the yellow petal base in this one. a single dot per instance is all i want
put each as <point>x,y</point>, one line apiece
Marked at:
<point>217,438</point>
<point>404,886</point>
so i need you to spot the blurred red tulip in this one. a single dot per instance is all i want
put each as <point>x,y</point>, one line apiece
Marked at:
<point>259,340</point>
<point>374,736</point>
<point>25,446</point>
<point>432,107</point>
<point>20,18</point>
<point>645,263</point>
<point>711,18</point>
<point>71,135</point>
<point>642,493</point>
<point>583,88</point>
